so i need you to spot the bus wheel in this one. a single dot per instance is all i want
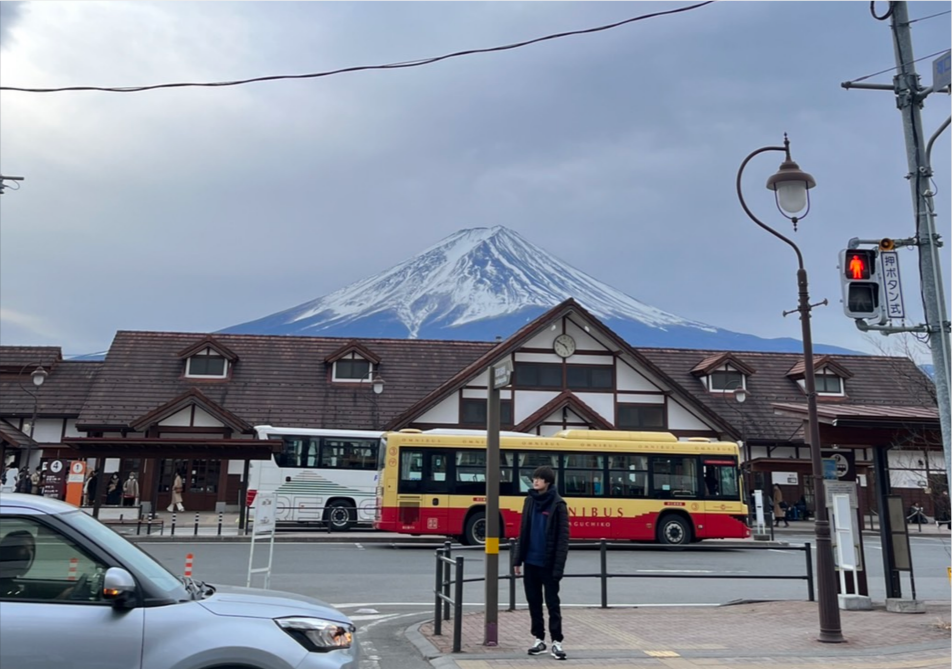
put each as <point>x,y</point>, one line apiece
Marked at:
<point>339,516</point>
<point>674,531</point>
<point>476,529</point>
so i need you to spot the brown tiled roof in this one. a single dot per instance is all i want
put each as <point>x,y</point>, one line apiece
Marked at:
<point>353,345</point>
<point>62,394</point>
<point>15,358</point>
<point>13,436</point>
<point>281,380</point>
<point>712,362</point>
<point>876,381</point>
<point>819,362</point>
<point>865,412</point>
<point>208,341</point>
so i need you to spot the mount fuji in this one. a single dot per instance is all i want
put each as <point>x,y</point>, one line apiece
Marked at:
<point>482,283</point>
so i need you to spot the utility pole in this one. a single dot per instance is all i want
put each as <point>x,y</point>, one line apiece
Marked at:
<point>910,96</point>
<point>3,178</point>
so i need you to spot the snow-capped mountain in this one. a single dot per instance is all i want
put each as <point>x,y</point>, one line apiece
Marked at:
<point>486,282</point>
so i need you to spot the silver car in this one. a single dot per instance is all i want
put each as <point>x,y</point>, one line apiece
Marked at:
<point>75,594</point>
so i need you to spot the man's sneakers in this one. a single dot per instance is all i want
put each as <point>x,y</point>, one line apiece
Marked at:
<point>557,651</point>
<point>537,648</point>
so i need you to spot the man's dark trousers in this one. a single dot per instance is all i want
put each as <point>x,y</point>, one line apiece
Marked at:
<point>536,581</point>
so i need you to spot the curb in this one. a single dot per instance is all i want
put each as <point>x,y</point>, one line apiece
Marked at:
<point>278,539</point>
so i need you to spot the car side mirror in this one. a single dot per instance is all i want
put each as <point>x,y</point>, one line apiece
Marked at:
<point>119,587</point>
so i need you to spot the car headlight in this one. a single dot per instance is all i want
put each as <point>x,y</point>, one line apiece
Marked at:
<point>318,635</point>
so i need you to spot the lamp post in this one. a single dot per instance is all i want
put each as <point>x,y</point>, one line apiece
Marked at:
<point>376,383</point>
<point>791,186</point>
<point>38,376</point>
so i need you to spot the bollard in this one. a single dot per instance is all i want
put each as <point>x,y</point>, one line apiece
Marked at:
<point>219,523</point>
<point>196,525</point>
<point>73,565</point>
<point>458,605</point>
<point>512,575</point>
<point>148,524</point>
<point>809,553</point>
<point>138,525</point>
<point>603,548</point>
<point>438,590</point>
<point>448,552</point>
<point>188,565</point>
<point>172,531</point>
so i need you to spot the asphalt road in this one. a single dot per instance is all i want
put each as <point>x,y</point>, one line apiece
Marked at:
<point>386,588</point>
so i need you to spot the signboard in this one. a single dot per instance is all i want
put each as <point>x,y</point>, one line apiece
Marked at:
<point>847,488</point>
<point>786,478</point>
<point>892,286</point>
<point>54,484</point>
<point>942,71</point>
<point>74,482</point>
<point>502,374</point>
<point>265,504</point>
<point>844,536</point>
<point>829,469</point>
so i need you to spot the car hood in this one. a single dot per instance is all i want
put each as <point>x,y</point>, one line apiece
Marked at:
<point>256,603</point>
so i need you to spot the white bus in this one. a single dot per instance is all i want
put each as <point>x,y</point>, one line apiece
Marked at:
<point>320,476</point>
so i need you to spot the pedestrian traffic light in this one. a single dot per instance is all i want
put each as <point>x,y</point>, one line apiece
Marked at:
<point>861,288</point>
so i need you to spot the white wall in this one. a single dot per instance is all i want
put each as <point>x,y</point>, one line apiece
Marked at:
<point>529,401</point>
<point>629,379</point>
<point>446,412</point>
<point>181,418</point>
<point>48,430</point>
<point>603,403</point>
<point>680,418</point>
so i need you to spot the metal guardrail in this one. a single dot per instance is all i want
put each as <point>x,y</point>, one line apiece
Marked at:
<point>450,573</point>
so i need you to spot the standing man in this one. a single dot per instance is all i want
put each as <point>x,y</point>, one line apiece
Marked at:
<point>543,548</point>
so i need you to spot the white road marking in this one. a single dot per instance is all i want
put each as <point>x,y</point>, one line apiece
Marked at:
<point>564,606</point>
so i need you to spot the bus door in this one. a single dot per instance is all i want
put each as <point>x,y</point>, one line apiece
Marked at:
<point>423,492</point>
<point>722,502</point>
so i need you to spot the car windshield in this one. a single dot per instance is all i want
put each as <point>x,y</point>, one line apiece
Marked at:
<point>132,557</point>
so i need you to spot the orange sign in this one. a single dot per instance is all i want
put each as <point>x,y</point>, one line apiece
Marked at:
<point>74,482</point>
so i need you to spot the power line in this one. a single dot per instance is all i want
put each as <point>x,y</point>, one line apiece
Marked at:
<point>890,69</point>
<point>360,68</point>
<point>931,16</point>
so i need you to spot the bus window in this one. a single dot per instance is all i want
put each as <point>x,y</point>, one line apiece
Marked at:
<point>674,477</point>
<point>720,479</point>
<point>348,454</point>
<point>628,476</point>
<point>582,476</point>
<point>471,473</point>
<point>298,452</point>
<point>411,471</point>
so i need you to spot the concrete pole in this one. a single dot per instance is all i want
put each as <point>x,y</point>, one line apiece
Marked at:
<point>909,96</point>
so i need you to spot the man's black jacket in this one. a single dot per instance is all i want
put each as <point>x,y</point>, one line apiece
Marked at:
<point>556,535</point>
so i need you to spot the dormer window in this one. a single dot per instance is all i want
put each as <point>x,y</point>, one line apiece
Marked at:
<point>725,380</point>
<point>828,383</point>
<point>352,369</point>
<point>353,362</point>
<point>830,376</point>
<point>208,364</point>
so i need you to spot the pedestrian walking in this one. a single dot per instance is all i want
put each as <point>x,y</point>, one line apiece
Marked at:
<point>779,507</point>
<point>543,548</point>
<point>91,488</point>
<point>177,486</point>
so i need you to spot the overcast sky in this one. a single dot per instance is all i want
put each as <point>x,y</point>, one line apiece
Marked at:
<point>197,209</point>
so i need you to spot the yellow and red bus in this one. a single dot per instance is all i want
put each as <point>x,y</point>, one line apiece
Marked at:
<point>638,486</point>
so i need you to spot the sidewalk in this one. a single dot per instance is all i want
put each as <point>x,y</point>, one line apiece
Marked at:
<point>752,636</point>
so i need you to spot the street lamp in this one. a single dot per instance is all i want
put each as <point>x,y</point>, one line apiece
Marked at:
<point>376,384</point>
<point>791,187</point>
<point>38,376</point>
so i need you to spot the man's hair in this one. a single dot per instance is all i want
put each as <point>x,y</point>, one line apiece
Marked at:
<point>545,473</point>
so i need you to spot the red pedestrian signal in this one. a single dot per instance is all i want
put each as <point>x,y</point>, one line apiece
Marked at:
<point>860,282</point>
<point>857,264</point>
